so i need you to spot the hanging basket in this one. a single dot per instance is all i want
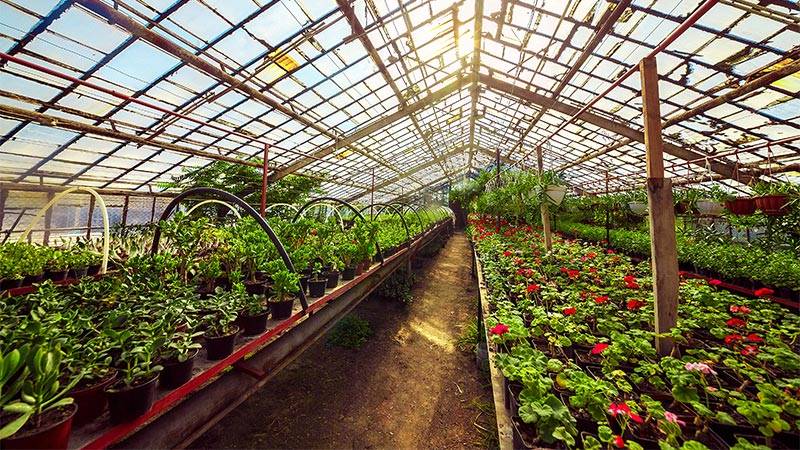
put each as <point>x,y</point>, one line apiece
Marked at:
<point>638,208</point>
<point>773,205</point>
<point>741,206</point>
<point>555,193</point>
<point>708,207</point>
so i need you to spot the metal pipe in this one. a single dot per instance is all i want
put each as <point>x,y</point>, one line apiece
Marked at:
<point>264,181</point>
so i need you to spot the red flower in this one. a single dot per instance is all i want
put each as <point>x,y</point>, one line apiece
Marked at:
<point>519,261</point>
<point>610,252</point>
<point>714,282</point>
<point>573,273</point>
<point>584,294</point>
<point>591,255</point>
<point>749,350</point>
<point>619,442</point>
<point>763,292</point>
<point>599,348</point>
<point>634,304</point>
<point>736,322</point>
<point>683,273</point>
<point>600,299</point>
<point>592,270</point>
<point>623,409</point>
<point>533,288</point>
<point>739,309</point>
<point>630,281</point>
<point>752,337</point>
<point>569,311</point>
<point>733,337</point>
<point>563,270</point>
<point>506,253</point>
<point>499,329</point>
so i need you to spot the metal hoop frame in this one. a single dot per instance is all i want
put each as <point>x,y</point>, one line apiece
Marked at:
<point>397,212</point>
<point>230,198</point>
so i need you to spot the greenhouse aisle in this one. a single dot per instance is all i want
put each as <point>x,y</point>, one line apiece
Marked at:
<point>409,386</point>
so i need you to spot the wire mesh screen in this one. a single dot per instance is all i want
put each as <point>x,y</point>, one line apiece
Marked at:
<point>69,217</point>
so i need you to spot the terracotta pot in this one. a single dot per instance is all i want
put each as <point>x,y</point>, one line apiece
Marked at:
<point>772,205</point>
<point>54,436</point>
<point>741,206</point>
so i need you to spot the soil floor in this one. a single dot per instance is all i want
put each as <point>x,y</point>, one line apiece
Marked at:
<point>408,386</point>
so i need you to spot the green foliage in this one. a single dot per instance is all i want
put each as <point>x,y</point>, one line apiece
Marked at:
<point>351,332</point>
<point>286,284</point>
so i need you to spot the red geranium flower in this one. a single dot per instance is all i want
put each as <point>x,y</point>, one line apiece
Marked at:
<point>533,288</point>
<point>622,408</point>
<point>749,350</point>
<point>736,322</point>
<point>739,309</point>
<point>499,329</point>
<point>634,304</point>
<point>619,442</point>
<point>733,337</point>
<point>569,311</point>
<point>763,292</point>
<point>599,348</point>
<point>714,282</point>
<point>563,270</point>
<point>600,299</point>
<point>592,270</point>
<point>506,253</point>
<point>573,273</point>
<point>610,252</point>
<point>591,255</point>
<point>752,337</point>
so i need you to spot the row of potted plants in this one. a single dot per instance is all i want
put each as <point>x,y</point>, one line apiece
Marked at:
<point>113,342</point>
<point>748,266</point>
<point>23,264</point>
<point>574,334</point>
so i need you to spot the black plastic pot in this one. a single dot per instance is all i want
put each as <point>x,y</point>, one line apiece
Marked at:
<point>218,347</point>
<point>79,272</point>
<point>33,279</point>
<point>91,399</point>
<point>95,269</point>
<point>253,325</point>
<point>316,288</point>
<point>333,279</point>
<point>349,273</point>
<point>11,284</point>
<point>176,373</point>
<point>281,310</point>
<point>126,403</point>
<point>56,275</point>
<point>257,288</point>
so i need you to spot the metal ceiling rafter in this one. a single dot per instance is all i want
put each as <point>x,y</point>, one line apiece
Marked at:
<point>361,35</point>
<point>476,64</point>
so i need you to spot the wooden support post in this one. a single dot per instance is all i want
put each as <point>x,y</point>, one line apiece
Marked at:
<point>125,207</point>
<point>663,246</point>
<point>48,220</point>
<point>264,182</point>
<point>497,183</point>
<point>372,194</point>
<point>608,218</point>
<point>89,219</point>
<point>548,235</point>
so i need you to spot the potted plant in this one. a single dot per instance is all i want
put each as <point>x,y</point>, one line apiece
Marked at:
<point>286,286</point>
<point>177,358</point>
<point>710,201</point>
<point>134,391</point>
<point>254,315</point>
<point>92,362</point>
<point>553,187</point>
<point>36,411</point>
<point>773,198</point>
<point>221,330</point>
<point>348,250</point>
<point>685,200</point>
<point>318,281</point>
<point>638,202</point>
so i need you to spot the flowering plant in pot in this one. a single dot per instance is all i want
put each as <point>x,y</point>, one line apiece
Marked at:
<point>220,324</point>
<point>286,286</point>
<point>135,389</point>
<point>177,357</point>
<point>637,202</point>
<point>36,413</point>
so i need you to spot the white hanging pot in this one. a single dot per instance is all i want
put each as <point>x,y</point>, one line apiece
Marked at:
<point>638,208</point>
<point>709,207</point>
<point>555,193</point>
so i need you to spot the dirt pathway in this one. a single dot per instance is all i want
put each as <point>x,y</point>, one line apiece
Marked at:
<point>407,387</point>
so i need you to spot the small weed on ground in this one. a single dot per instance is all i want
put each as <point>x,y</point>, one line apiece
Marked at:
<point>351,332</point>
<point>469,337</point>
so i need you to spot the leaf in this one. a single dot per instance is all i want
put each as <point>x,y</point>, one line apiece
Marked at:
<point>12,427</point>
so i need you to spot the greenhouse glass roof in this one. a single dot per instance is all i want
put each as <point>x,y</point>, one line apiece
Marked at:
<point>125,94</point>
